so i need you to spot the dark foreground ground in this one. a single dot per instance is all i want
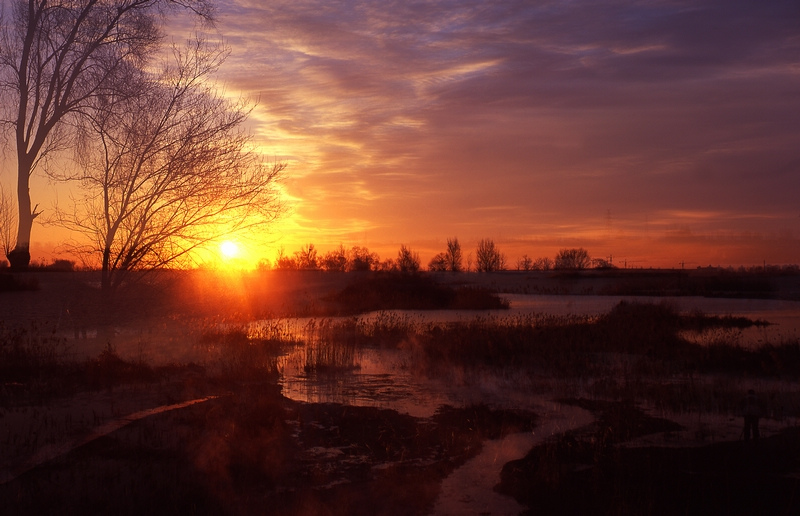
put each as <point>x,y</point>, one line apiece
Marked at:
<point>252,451</point>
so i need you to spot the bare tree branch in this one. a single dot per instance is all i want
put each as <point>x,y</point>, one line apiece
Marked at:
<point>56,58</point>
<point>168,170</point>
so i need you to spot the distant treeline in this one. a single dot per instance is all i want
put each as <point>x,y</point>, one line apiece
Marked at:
<point>486,258</point>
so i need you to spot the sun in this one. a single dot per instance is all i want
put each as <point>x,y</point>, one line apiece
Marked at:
<point>229,250</point>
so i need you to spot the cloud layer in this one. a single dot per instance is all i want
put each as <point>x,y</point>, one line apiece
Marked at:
<point>658,131</point>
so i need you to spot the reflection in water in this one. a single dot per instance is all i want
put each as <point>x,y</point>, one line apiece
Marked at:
<point>389,378</point>
<point>385,379</point>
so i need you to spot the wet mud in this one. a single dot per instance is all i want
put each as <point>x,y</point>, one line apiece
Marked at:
<point>256,452</point>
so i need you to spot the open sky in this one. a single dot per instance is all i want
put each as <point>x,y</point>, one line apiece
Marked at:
<point>652,132</point>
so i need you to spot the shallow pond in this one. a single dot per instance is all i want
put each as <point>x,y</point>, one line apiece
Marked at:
<point>390,379</point>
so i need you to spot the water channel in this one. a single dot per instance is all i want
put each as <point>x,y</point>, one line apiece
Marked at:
<point>389,379</point>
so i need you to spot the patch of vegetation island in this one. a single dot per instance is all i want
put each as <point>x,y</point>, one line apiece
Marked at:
<point>406,291</point>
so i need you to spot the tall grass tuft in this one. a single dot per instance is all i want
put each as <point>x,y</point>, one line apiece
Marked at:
<point>331,346</point>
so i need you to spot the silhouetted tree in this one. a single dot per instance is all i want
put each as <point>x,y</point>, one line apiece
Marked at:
<point>525,263</point>
<point>264,264</point>
<point>7,221</point>
<point>543,264</point>
<point>284,262</point>
<point>387,265</point>
<point>335,260</point>
<point>450,260</point>
<point>360,259</point>
<point>56,58</point>
<point>488,258</point>
<point>573,259</point>
<point>602,263</point>
<point>453,256</point>
<point>165,169</point>
<point>407,261</point>
<point>306,257</point>
<point>438,263</point>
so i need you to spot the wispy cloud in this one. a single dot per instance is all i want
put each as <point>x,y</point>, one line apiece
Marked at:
<point>417,119</point>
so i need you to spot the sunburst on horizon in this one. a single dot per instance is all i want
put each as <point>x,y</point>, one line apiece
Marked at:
<point>229,250</point>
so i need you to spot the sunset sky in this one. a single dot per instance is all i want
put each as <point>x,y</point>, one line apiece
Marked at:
<point>653,132</point>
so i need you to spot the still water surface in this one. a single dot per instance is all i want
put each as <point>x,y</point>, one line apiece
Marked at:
<point>389,379</point>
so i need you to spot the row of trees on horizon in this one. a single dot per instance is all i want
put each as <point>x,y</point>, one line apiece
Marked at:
<point>487,258</point>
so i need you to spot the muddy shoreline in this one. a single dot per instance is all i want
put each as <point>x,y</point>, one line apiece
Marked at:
<point>253,451</point>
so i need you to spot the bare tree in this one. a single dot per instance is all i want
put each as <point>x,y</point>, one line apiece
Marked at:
<point>335,260</point>
<point>573,259</point>
<point>165,169</point>
<point>488,257</point>
<point>525,263</point>
<point>407,261</point>
<point>450,260</point>
<point>438,263</point>
<point>306,257</point>
<point>361,259</point>
<point>56,57</point>
<point>284,262</point>
<point>543,264</point>
<point>453,255</point>
<point>7,220</point>
<point>602,263</point>
<point>387,265</point>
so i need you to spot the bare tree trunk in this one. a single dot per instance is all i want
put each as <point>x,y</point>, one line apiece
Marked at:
<point>20,256</point>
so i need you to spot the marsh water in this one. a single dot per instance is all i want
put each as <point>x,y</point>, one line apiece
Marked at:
<point>391,379</point>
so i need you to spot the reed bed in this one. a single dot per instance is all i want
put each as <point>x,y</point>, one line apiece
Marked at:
<point>30,357</point>
<point>330,346</point>
<point>635,350</point>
